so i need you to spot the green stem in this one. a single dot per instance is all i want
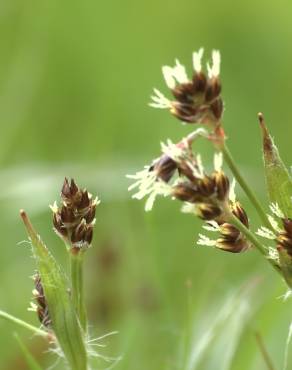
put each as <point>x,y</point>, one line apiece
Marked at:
<point>253,239</point>
<point>264,352</point>
<point>252,197</point>
<point>76,262</point>
<point>24,324</point>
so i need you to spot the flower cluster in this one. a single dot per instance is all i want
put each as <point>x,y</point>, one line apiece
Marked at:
<point>230,239</point>
<point>179,173</point>
<point>196,100</point>
<point>74,220</point>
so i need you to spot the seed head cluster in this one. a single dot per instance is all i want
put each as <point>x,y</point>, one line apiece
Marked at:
<point>179,173</point>
<point>74,219</point>
<point>195,100</point>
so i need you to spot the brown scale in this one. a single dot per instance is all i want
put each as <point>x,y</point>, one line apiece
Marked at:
<point>165,167</point>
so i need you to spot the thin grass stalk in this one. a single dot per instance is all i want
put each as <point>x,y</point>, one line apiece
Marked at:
<point>24,324</point>
<point>254,240</point>
<point>245,187</point>
<point>76,267</point>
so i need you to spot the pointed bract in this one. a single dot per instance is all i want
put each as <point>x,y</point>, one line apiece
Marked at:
<point>278,179</point>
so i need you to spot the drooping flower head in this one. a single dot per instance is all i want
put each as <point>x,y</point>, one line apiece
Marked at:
<point>179,173</point>
<point>230,238</point>
<point>196,100</point>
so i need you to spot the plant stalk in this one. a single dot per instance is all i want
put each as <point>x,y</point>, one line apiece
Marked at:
<point>24,324</point>
<point>76,264</point>
<point>264,352</point>
<point>245,187</point>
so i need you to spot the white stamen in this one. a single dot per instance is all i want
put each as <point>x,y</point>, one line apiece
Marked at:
<point>285,297</point>
<point>200,165</point>
<point>218,161</point>
<point>273,254</point>
<point>149,185</point>
<point>197,60</point>
<point>179,73</point>
<point>172,150</point>
<point>188,208</point>
<point>214,70</point>
<point>168,76</point>
<point>195,170</point>
<point>232,195</point>
<point>33,307</point>
<point>211,226</point>
<point>274,207</point>
<point>54,207</point>
<point>274,223</point>
<point>204,240</point>
<point>160,101</point>
<point>266,233</point>
<point>96,201</point>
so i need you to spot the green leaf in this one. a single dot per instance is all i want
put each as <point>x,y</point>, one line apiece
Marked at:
<point>279,182</point>
<point>64,320</point>
<point>31,362</point>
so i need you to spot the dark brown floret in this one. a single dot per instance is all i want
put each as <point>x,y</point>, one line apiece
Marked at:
<point>208,212</point>
<point>164,167</point>
<point>188,192</point>
<point>231,239</point>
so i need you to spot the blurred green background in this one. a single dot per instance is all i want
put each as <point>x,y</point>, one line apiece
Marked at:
<point>75,80</point>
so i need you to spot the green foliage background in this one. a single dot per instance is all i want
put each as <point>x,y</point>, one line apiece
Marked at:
<point>75,80</point>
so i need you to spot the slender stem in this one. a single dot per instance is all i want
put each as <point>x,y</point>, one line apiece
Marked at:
<point>76,262</point>
<point>30,360</point>
<point>24,324</point>
<point>253,239</point>
<point>252,197</point>
<point>264,352</point>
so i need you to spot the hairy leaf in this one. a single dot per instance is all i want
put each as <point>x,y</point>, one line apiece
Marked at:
<point>64,320</point>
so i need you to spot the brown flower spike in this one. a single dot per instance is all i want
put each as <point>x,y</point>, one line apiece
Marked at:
<point>41,307</point>
<point>74,220</point>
